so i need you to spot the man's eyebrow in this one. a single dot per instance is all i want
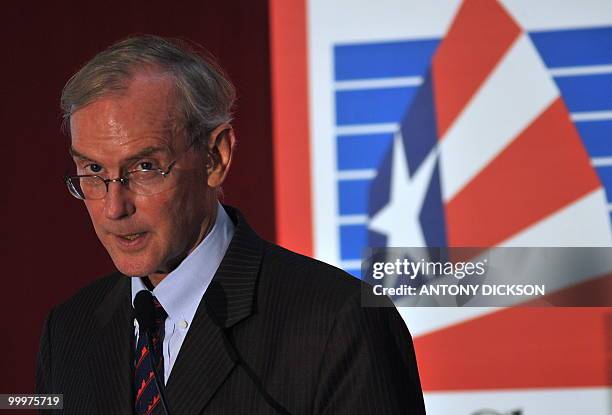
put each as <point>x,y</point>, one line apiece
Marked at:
<point>145,152</point>
<point>74,153</point>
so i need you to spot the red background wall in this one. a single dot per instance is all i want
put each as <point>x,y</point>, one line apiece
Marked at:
<point>48,246</point>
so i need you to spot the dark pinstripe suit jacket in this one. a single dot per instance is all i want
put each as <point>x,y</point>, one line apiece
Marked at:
<point>275,332</point>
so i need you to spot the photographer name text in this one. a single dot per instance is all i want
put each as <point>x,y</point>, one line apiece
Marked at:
<point>468,290</point>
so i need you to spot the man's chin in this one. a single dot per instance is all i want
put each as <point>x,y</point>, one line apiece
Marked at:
<point>133,268</point>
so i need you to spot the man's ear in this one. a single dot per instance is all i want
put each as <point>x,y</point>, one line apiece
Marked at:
<point>220,150</point>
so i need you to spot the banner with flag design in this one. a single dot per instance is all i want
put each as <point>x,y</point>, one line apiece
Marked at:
<point>456,123</point>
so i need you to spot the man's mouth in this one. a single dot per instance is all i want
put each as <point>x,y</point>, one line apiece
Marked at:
<point>131,240</point>
<point>131,237</point>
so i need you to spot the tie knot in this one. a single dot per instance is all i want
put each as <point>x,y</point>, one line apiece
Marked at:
<point>160,313</point>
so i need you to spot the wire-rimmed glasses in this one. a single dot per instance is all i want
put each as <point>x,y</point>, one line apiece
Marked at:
<point>146,182</point>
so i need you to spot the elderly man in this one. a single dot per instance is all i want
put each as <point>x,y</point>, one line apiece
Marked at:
<point>232,324</point>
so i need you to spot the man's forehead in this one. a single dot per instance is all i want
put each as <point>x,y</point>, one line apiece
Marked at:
<point>119,116</point>
<point>138,121</point>
<point>148,151</point>
<point>148,99</point>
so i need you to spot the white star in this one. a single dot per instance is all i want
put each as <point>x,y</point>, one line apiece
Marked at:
<point>399,219</point>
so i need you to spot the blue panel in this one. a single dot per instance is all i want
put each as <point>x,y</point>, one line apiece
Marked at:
<point>432,216</point>
<point>353,195</point>
<point>605,175</point>
<point>419,130</point>
<point>362,151</point>
<point>383,60</point>
<point>597,137</point>
<point>574,47</point>
<point>380,105</point>
<point>586,93</point>
<point>381,185</point>
<point>353,240</point>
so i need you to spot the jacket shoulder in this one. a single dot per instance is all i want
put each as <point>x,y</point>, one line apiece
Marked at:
<point>296,276</point>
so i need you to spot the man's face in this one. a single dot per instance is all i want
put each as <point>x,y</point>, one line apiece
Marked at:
<point>144,235</point>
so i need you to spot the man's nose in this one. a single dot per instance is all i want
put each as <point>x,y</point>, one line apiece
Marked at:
<point>118,201</point>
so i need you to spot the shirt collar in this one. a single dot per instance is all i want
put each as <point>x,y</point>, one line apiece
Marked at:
<point>182,290</point>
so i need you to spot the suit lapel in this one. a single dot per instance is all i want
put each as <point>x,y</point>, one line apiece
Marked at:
<point>206,358</point>
<point>111,350</point>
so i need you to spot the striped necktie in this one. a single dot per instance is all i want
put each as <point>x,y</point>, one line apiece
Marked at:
<point>146,394</point>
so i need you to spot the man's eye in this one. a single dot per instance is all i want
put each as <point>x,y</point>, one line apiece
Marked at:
<point>95,168</point>
<point>146,165</point>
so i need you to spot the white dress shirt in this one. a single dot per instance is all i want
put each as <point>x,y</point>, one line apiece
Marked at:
<point>182,290</point>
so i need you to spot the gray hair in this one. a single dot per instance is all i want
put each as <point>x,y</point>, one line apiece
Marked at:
<point>205,96</point>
